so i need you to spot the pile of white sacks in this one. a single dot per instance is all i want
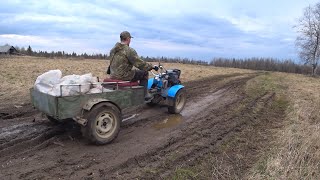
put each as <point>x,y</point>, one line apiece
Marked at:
<point>54,84</point>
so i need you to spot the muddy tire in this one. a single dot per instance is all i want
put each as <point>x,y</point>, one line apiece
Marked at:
<point>53,120</point>
<point>103,124</point>
<point>179,101</point>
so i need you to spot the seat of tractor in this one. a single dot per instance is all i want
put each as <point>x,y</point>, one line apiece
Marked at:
<point>120,83</point>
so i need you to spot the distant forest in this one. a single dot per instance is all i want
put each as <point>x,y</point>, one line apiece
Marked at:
<point>267,64</point>
<point>58,54</point>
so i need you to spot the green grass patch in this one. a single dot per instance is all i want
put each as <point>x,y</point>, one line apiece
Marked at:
<point>263,84</point>
<point>184,173</point>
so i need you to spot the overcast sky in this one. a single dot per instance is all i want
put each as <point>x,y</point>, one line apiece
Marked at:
<point>198,29</point>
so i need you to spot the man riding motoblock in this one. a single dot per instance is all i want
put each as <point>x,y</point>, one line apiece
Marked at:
<point>123,58</point>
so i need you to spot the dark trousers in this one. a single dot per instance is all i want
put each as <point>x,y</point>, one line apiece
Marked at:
<point>142,76</point>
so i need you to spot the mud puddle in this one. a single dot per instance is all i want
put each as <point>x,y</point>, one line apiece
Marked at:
<point>171,121</point>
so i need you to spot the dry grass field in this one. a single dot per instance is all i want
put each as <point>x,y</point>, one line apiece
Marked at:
<point>293,150</point>
<point>17,75</point>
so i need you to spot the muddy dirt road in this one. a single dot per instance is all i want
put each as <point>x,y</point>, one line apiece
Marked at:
<point>151,144</point>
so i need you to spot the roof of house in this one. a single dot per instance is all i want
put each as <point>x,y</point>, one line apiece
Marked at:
<point>5,48</point>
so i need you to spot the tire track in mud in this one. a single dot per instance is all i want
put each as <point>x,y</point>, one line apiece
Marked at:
<point>210,84</point>
<point>206,141</point>
<point>194,140</point>
<point>35,137</point>
<point>17,111</point>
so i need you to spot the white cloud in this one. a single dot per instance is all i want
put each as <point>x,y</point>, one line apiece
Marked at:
<point>52,43</point>
<point>24,39</point>
<point>39,18</point>
<point>248,24</point>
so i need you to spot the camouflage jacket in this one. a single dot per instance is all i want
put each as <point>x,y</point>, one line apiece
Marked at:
<point>124,58</point>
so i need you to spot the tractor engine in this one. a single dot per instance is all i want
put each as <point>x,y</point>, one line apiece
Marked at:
<point>173,77</point>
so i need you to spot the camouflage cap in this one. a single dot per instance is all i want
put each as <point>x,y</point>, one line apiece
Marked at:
<point>125,35</point>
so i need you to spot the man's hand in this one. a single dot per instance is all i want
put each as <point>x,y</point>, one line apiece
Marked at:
<point>156,68</point>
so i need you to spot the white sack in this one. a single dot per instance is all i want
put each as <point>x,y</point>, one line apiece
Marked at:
<point>46,81</point>
<point>72,85</point>
<point>52,83</point>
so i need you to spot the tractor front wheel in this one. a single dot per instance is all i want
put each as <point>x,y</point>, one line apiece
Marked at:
<point>179,101</point>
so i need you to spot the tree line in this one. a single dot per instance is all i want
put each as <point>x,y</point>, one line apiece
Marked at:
<point>267,64</point>
<point>63,54</point>
<point>174,60</point>
<point>58,54</point>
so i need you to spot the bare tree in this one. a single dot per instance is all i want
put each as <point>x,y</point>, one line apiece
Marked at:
<point>29,51</point>
<point>308,40</point>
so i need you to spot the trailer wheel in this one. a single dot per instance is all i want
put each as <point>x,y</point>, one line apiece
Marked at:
<point>103,124</point>
<point>179,101</point>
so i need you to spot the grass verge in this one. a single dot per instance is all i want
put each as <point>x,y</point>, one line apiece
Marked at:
<point>296,153</point>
